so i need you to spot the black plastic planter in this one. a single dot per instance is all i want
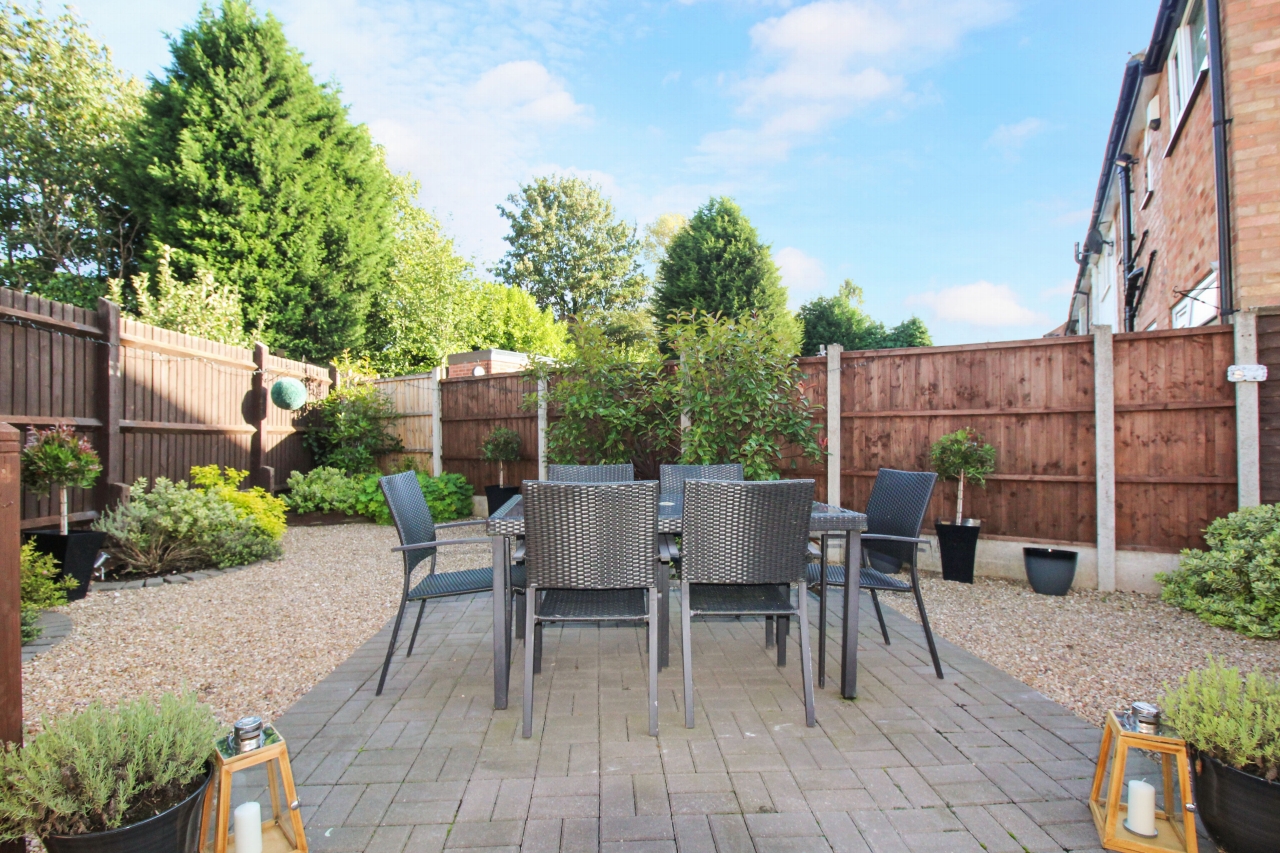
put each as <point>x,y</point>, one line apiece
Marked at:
<point>1241,811</point>
<point>1050,571</point>
<point>959,546</point>
<point>174,831</point>
<point>76,553</point>
<point>496,496</point>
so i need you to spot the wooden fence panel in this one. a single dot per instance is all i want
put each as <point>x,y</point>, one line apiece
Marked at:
<point>1033,400</point>
<point>283,449</point>
<point>412,396</point>
<point>470,408</point>
<point>1175,436</point>
<point>1269,407</point>
<point>47,377</point>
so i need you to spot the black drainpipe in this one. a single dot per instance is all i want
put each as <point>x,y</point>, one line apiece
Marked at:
<point>1123,166</point>
<point>1222,174</point>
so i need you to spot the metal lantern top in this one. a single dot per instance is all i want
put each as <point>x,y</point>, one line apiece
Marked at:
<point>250,743</point>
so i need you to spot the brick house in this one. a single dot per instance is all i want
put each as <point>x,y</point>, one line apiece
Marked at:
<point>1186,217</point>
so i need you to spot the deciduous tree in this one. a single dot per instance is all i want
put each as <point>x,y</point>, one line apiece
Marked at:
<point>840,320</point>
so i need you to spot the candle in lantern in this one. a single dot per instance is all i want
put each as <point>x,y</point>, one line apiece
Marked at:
<point>249,827</point>
<point>1142,809</point>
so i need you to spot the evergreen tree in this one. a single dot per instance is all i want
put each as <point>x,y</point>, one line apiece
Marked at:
<point>717,264</point>
<point>841,320</point>
<point>251,170</point>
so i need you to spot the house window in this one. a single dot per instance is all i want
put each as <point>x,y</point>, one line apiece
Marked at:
<point>1188,58</point>
<point>1199,306</point>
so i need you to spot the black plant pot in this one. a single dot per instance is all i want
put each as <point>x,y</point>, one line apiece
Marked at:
<point>76,553</point>
<point>496,496</point>
<point>959,545</point>
<point>1241,811</point>
<point>1050,571</point>
<point>174,831</point>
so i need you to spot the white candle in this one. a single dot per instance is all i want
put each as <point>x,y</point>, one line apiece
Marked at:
<point>1142,808</point>
<point>249,827</point>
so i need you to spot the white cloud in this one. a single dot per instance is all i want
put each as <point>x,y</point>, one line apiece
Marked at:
<point>979,304</point>
<point>803,275</point>
<point>525,91</point>
<point>1009,138</point>
<point>824,60</point>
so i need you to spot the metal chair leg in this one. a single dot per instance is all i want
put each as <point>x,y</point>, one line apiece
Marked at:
<point>924,620</point>
<point>422,605</point>
<point>653,660</point>
<point>395,632</point>
<point>686,643</point>
<point>537,647</point>
<point>517,595</point>
<point>884,631</point>
<point>822,618</point>
<point>769,630</point>
<point>784,626</point>
<point>531,620</point>
<point>806,664</point>
<point>663,623</point>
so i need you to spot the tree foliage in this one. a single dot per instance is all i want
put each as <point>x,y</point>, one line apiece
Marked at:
<point>201,307</point>
<point>63,112</point>
<point>250,169</point>
<point>658,235</point>
<point>570,252</point>
<point>717,265</point>
<point>963,455</point>
<point>841,320</point>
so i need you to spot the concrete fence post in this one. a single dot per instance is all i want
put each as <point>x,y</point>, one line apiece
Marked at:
<point>10,596</point>
<point>834,423</point>
<point>542,429</point>
<point>1248,431</point>
<point>110,397</point>
<point>437,428</point>
<point>259,474</point>
<point>1104,406</point>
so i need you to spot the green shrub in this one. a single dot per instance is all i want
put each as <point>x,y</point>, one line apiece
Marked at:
<point>173,528</point>
<point>963,455</point>
<point>105,767</point>
<point>41,588</point>
<point>321,489</point>
<point>1237,583</point>
<point>501,445</point>
<point>1234,718</point>
<point>56,459</point>
<point>350,428</point>
<point>259,506</point>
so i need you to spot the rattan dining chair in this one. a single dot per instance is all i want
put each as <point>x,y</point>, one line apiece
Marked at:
<point>895,513</point>
<point>591,473</point>
<point>591,556</point>
<point>418,542</point>
<point>672,477</point>
<point>744,545</point>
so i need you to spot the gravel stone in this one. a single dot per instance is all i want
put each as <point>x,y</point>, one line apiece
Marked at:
<point>1090,651</point>
<point>250,641</point>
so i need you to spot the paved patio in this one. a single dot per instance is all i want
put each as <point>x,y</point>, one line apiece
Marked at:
<point>976,762</point>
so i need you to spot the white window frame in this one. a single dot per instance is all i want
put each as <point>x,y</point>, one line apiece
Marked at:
<point>1200,306</point>
<point>1182,77</point>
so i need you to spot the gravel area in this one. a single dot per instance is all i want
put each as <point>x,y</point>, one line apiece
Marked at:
<point>252,641</point>
<point>1089,651</point>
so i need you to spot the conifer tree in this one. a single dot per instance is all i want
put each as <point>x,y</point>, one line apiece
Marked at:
<point>717,264</point>
<point>251,170</point>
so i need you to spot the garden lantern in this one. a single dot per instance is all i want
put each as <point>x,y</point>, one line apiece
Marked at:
<point>1140,817</point>
<point>251,744</point>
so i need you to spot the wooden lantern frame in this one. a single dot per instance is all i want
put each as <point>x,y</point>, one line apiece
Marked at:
<point>1174,833</point>
<point>282,832</point>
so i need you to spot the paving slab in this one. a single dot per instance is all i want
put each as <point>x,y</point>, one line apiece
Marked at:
<point>977,761</point>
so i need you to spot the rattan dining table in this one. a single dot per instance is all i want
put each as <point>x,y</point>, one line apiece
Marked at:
<point>506,526</point>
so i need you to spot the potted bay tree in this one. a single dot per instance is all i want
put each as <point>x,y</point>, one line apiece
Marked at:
<point>963,456</point>
<point>54,461</point>
<point>502,445</point>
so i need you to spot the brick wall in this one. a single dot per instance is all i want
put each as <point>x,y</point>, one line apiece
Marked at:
<point>1180,216</point>
<point>1252,35</point>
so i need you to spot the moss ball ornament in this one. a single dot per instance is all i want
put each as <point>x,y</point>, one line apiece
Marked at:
<point>289,393</point>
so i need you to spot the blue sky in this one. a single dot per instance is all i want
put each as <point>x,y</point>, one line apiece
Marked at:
<point>941,153</point>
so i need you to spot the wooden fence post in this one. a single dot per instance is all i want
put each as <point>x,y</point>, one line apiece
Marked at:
<point>542,429</point>
<point>10,596</point>
<point>834,423</point>
<point>110,398</point>
<point>1104,420</point>
<point>1248,431</point>
<point>258,473</point>
<point>437,424</point>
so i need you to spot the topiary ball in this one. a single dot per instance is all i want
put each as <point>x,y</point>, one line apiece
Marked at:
<point>289,394</point>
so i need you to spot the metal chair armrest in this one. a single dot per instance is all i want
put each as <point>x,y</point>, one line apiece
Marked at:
<point>477,540</point>
<point>884,537</point>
